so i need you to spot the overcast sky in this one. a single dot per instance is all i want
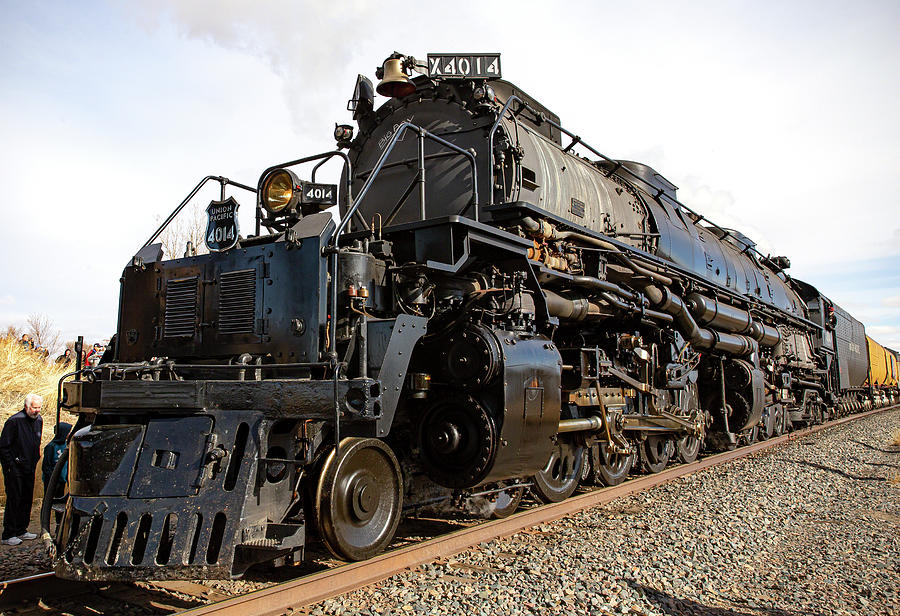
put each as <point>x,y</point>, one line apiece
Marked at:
<point>777,118</point>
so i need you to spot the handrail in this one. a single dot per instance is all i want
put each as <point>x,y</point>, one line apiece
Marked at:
<point>493,131</point>
<point>223,181</point>
<point>59,387</point>
<point>352,210</point>
<point>401,130</point>
<point>577,140</point>
<point>332,262</point>
<point>362,175</point>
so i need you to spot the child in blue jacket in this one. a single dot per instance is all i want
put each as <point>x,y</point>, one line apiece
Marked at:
<point>52,451</point>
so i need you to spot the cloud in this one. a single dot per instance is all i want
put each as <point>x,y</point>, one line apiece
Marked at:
<point>719,206</point>
<point>891,302</point>
<point>302,42</point>
<point>12,318</point>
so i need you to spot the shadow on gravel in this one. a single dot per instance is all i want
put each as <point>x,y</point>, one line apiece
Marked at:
<point>411,530</point>
<point>836,471</point>
<point>672,606</point>
<point>890,449</point>
<point>878,464</point>
<point>416,528</point>
<point>117,598</point>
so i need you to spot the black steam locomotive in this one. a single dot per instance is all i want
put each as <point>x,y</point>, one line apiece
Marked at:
<point>498,307</point>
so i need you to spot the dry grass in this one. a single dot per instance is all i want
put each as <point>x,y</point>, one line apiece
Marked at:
<point>23,372</point>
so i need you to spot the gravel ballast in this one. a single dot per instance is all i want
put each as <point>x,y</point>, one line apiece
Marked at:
<point>811,527</point>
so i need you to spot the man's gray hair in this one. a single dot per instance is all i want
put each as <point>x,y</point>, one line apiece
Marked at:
<point>33,398</point>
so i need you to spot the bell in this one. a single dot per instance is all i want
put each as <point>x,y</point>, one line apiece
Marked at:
<point>395,82</point>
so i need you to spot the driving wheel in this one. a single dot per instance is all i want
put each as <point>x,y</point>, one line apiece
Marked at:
<point>560,476</point>
<point>610,469</point>
<point>779,427</point>
<point>359,498</point>
<point>507,502</point>
<point>500,504</point>
<point>655,453</point>
<point>457,441</point>
<point>687,448</point>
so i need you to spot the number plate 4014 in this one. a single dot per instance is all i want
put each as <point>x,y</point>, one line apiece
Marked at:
<point>464,66</point>
<point>323,194</point>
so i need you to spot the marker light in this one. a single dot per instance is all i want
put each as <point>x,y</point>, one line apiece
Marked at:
<point>343,133</point>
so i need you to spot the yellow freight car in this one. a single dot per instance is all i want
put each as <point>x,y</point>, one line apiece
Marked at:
<point>879,365</point>
<point>893,367</point>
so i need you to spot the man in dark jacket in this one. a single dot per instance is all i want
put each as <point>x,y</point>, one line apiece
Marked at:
<point>20,448</point>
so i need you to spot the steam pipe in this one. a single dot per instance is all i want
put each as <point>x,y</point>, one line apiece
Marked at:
<point>647,312</point>
<point>810,384</point>
<point>546,230</point>
<point>716,314</point>
<point>580,309</point>
<point>733,343</point>
<point>577,309</point>
<point>579,425</point>
<point>768,336</point>
<point>603,285</point>
<point>726,317</point>
<point>668,302</point>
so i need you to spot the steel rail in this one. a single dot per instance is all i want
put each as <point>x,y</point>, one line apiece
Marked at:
<point>340,580</point>
<point>43,585</point>
<point>22,595</point>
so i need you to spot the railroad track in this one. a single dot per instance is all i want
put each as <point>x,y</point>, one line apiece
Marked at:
<point>45,593</point>
<point>42,593</point>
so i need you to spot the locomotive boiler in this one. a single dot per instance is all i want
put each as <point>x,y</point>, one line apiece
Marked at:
<point>497,307</point>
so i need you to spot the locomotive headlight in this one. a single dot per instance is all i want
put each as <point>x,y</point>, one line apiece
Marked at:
<point>280,191</point>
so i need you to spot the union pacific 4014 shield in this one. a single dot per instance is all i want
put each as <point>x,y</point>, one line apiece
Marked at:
<point>222,224</point>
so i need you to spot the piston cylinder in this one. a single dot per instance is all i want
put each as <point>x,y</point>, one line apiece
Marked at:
<point>715,314</point>
<point>718,315</point>
<point>766,335</point>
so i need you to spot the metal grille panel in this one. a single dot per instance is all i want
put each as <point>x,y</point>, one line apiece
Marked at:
<point>181,308</point>
<point>237,302</point>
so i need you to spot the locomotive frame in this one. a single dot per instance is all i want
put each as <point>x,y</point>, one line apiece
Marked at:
<point>492,313</point>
